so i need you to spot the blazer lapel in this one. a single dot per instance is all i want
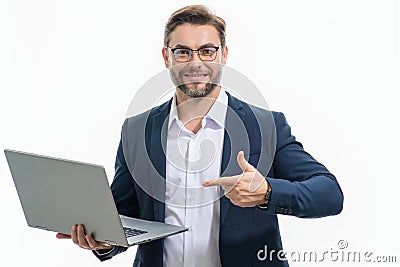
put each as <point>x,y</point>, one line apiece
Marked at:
<point>158,140</point>
<point>233,143</point>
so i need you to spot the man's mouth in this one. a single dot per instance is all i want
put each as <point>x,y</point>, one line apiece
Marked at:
<point>196,76</point>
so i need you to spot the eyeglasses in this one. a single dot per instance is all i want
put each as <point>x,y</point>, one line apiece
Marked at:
<point>208,53</point>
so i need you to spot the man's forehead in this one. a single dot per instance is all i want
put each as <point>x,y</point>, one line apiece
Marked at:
<point>194,36</point>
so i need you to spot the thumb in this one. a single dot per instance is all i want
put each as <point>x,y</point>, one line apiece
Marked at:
<point>243,164</point>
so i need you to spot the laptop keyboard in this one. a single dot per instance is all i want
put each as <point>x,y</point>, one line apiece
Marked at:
<point>129,232</point>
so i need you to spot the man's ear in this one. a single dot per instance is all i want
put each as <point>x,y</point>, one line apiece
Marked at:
<point>166,57</point>
<point>224,55</point>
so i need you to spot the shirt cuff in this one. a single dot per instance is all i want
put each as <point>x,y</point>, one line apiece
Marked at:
<point>103,252</point>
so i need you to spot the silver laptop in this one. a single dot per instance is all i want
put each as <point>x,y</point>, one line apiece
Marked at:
<point>56,194</point>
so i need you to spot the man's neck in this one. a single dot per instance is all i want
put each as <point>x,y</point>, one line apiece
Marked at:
<point>191,110</point>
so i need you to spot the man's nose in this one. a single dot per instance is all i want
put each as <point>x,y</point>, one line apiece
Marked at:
<point>195,56</point>
<point>195,61</point>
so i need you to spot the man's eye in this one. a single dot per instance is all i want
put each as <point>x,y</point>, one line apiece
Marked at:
<point>182,52</point>
<point>207,51</point>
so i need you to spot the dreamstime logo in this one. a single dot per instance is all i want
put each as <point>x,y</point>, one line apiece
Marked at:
<point>340,254</point>
<point>147,124</point>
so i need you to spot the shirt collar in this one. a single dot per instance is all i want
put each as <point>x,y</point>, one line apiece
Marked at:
<point>216,114</point>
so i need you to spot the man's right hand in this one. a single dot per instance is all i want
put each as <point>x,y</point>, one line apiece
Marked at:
<point>79,238</point>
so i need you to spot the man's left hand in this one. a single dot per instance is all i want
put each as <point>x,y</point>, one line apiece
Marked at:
<point>244,190</point>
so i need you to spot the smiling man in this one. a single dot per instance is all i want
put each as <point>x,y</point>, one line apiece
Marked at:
<point>225,168</point>
<point>198,77</point>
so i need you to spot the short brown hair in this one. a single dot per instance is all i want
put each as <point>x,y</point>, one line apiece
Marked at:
<point>196,15</point>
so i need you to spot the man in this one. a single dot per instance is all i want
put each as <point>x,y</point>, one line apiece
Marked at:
<point>168,170</point>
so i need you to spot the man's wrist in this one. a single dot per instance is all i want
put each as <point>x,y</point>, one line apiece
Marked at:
<point>267,196</point>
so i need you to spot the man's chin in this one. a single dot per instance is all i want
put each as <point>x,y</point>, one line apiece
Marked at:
<point>196,90</point>
<point>196,86</point>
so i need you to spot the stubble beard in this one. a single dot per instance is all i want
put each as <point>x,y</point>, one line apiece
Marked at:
<point>197,89</point>
<point>195,92</point>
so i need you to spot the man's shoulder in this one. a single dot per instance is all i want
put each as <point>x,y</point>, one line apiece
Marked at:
<point>256,110</point>
<point>148,114</point>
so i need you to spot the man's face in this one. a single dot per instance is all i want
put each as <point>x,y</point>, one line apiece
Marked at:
<point>195,78</point>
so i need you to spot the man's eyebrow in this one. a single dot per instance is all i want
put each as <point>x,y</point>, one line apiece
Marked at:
<point>202,46</point>
<point>181,46</point>
<point>208,45</point>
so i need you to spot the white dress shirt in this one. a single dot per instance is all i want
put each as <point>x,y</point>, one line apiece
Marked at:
<point>190,160</point>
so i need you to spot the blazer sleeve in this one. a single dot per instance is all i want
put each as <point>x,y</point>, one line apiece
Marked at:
<point>301,186</point>
<point>125,197</point>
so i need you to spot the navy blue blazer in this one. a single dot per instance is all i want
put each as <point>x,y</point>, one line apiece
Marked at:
<point>301,186</point>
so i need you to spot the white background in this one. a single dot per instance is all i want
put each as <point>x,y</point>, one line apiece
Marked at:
<point>69,69</point>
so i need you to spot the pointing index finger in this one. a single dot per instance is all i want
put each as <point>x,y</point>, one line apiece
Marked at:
<point>222,181</point>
